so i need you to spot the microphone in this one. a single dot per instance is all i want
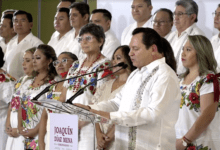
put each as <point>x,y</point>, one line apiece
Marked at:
<point>121,64</point>
<point>81,91</point>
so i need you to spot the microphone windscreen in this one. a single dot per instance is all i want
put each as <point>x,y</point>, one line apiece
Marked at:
<point>125,66</point>
<point>121,64</point>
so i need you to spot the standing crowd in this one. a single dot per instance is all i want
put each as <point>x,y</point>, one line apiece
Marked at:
<point>165,97</point>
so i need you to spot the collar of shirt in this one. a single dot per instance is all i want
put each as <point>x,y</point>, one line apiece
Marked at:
<point>149,68</point>
<point>147,23</point>
<point>187,31</point>
<point>27,38</point>
<point>64,36</point>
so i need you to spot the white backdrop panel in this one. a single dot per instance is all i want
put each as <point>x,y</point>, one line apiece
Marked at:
<point>121,13</point>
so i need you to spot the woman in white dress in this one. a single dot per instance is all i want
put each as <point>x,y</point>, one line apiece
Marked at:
<point>29,114</point>
<point>62,65</point>
<point>104,132</point>
<point>198,125</point>
<point>91,39</point>
<point>15,141</point>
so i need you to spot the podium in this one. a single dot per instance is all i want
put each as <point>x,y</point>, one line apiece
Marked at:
<point>65,108</point>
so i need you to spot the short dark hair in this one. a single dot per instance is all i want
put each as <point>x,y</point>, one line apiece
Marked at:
<point>151,37</point>
<point>9,16</point>
<point>148,2</point>
<point>71,1</point>
<point>71,55</point>
<point>106,14</point>
<point>66,10</point>
<point>82,7</point>
<point>96,30</point>
<point>11,11</point>
<point>49,52</point>
<point>21,12</point>
<point>125,51</point>
<point>170,13</point>
<point>218,5</point>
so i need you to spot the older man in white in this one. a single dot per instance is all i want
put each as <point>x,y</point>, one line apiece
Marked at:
<point>62,26</point>
<point>22,23</point>
<point>163,23</point>
<point>103,18</point>
<point>185,18</point>
<point>141,12</point>
<point>146,109</point>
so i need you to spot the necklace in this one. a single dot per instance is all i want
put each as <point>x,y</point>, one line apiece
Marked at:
<point>76,87</point>
<point>38,85</point>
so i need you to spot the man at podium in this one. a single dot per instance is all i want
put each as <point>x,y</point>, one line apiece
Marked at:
<point>146,109</point>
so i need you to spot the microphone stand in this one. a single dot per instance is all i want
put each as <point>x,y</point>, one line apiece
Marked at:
<point>48,87</point>
<point>81,91</point>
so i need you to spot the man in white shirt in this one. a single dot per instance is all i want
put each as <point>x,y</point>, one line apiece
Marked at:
<point>141,12</point>
<point>103,18</point>
<point>63,27</point>
<point>146,109</point>
<point>22,23</point>
<point>216,38</point>
<point>65,3</point>
<point>6,31</point>
<point>79,16</point>
<point>163,23</point>
<point>185,18</point>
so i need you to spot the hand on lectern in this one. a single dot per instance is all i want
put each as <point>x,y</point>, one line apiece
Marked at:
<point>101,113</point>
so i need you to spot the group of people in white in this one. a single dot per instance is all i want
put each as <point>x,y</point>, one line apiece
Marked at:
<point>166,98</point>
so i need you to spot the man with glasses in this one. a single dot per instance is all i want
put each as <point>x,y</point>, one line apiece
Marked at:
<point>185,18</point>
<point>215,40</point>
<point>163,23</point>
<point>141,13</point>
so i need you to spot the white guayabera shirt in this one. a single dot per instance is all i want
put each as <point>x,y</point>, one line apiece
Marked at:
<point>146,109</point>
<point>14,54</point>
<point>127,33</point>
<point>59,45</point>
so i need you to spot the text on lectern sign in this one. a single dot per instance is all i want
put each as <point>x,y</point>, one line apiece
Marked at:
<point>63,131</point>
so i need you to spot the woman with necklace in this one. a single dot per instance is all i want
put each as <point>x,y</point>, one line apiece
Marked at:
<point>15,141</point>
<point>29,114</point>
<point>62,65</point>
<point>198,124</point>
<point>91,39</point>
<point>108,91</point>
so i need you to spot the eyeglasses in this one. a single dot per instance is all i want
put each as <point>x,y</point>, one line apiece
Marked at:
<point>160,23</point>
<point>216,14</point>
<point>87,38</point>
<point>63,61</point>
<point>180,14</point>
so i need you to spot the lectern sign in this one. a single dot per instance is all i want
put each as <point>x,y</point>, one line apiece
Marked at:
<point>63,131</point>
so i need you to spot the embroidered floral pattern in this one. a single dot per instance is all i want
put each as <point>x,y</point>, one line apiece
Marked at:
<point>15,103</point>
<point>192,100</point>
<point>4,77</point>
<point>31,144</point>
<point>200,147</point>
<point>77,84</point>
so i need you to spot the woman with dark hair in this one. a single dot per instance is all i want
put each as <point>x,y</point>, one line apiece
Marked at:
<point>29,114</point>
<point>108,91</point>
<point>15,141</point>
<point>199,117</point>
<point>62,65</point>
<point>91,39</point>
